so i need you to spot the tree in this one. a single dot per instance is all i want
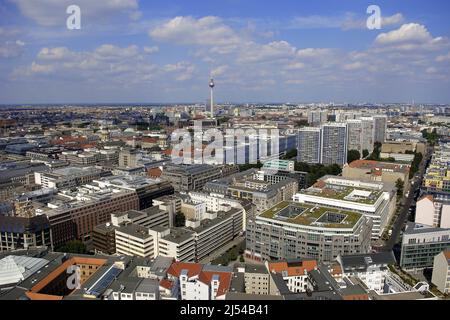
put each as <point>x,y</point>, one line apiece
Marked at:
<point>302,123</point>
<point>180,220</point>
<point>290,154</point>
<point>400,186</point>
<point>75,246</point>
<point>353,155</point>
<point>365,153</point>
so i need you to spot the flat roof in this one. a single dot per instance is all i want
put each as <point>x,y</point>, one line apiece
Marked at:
<point>312,215</point>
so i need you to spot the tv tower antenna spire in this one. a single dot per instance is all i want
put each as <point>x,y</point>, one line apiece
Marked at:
<point>211,86</point>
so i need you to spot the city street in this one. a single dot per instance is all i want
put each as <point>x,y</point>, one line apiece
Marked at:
<point>402,217</point>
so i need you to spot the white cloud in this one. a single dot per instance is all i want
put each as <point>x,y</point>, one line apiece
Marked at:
<point>210,31</point>
<point>53,12</point>
<point>443,58</point>
<point>411,36</point>
<point>11,49</point>
<point>218,71</point>
<point>350,22</point>
<point>270,52</point>
<point>150,50</point>
<point>392,20</point>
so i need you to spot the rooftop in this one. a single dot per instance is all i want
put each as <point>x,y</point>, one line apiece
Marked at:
<point>312,215</point>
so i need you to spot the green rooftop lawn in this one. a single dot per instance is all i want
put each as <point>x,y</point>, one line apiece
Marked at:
<point>308,217</point>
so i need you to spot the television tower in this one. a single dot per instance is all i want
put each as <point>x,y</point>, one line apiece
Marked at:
<point>212,85</point>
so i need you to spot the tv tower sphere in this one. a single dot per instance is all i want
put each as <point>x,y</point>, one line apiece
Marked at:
<point>211,83</point>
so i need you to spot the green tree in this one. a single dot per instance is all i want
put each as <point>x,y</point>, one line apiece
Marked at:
<point>399,184</point>
<point>180,220</point>
<point>290,154</point>
<point>365,153</point>
<point>353,155</point>
<point>301,123</point>
<point>75,246</point>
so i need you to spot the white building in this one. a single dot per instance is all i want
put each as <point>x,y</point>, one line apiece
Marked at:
<point>134,240</point>
<point>372,268</point>
<point>375,200</point>
<point>432,212</point>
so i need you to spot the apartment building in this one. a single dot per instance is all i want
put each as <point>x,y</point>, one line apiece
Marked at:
<point>433,212</point>
<point>293,272</point>
<point>371,268</point>
<point>441,272</point>
<point>309,145</point>
<point>198,282</point>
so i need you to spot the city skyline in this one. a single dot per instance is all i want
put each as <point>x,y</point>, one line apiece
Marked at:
<point>143,52</point>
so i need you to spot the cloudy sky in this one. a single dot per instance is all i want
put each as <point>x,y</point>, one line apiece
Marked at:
<point>258,51</point>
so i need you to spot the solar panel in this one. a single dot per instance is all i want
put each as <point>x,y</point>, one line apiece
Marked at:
<point>104,282</point>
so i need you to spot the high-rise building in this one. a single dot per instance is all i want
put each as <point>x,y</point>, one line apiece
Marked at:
<point>309,145</point>
<point>334,144</point>
<point>380,128</point>
<point>317,117</point>
<point>354,128</point>
<point>367,134</point>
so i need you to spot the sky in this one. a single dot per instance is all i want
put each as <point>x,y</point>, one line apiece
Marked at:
<point>135,51</point>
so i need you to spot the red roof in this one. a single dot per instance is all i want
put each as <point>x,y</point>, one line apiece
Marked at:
<point>166,284</point>
<point>294,269</point>
<point>154,172</point>
<point>193,269</point>
<point>224,280</point>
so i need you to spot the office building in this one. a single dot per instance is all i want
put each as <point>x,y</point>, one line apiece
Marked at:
<point>145,188</point>
<point>190,177</point>
<point>24,232</point>
<point>299,230</point>
<point>368,170</point>
<point>69,177</point>
<point>420,244</point>
<point>261,188</point>
<point>375,200</point>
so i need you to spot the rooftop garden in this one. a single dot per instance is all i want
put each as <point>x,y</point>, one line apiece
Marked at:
<point>342,194</point>
<point>311,214</point>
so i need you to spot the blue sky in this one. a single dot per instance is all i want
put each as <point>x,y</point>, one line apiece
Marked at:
<point>271,51</point>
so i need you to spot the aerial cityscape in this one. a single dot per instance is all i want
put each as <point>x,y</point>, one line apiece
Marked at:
<point>227,151</point>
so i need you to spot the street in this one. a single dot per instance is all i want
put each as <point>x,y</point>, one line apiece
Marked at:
<point>402,217</point>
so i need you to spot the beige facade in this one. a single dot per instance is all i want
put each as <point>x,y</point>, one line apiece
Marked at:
<point>441,272</point>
